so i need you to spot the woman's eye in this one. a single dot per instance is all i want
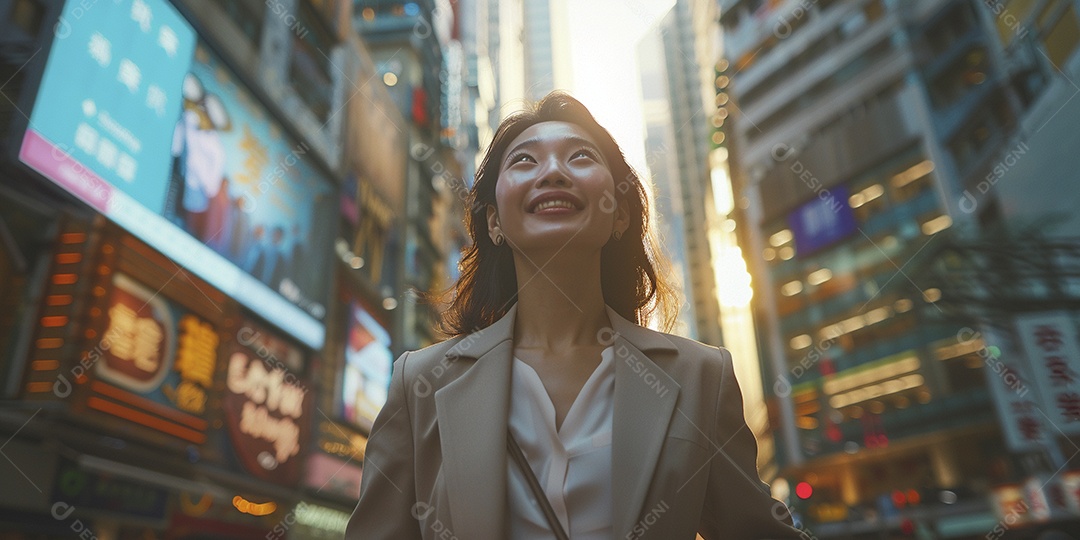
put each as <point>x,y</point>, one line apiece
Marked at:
<point>583,153</point>
<point>521,158</point>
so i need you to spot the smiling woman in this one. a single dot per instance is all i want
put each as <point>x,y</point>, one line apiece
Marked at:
<point>552,410</point>
<point>557,151</point>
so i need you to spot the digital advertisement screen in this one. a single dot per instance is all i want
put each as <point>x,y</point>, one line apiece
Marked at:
<point>145,124</point>
<point>368,366</point>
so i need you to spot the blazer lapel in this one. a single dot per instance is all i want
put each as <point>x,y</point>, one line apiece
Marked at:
<point>645,399</point>
<point>473,413</point>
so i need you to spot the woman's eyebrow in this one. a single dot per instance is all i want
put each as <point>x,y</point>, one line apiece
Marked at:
<point>574,140</point>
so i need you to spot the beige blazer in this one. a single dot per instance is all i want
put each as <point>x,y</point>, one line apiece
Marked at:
<point>683,459</point>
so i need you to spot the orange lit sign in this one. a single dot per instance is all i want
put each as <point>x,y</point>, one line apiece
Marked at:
<point>341,441</point>
<point>138,338</point>
<point>255,509</point>
<point>196,358</point>
<point>156,362</point>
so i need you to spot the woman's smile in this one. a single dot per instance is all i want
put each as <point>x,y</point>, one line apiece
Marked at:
<point>554,203</point>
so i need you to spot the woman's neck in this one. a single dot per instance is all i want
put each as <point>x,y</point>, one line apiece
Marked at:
<point>560,302</point>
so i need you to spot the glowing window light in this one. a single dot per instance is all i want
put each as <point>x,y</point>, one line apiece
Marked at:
<point>936,225</point>
<point>819,276</point>
<point>781,238</point>
<point>801,342</point>
<point>791,288</point>
<point>914,173</point>
<point>866,195</point>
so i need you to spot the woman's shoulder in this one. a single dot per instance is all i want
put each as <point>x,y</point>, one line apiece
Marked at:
<point>426,358</point>
<point>692,355</point>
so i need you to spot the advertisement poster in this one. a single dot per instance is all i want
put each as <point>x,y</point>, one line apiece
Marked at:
<point>368,366</point>
<point>142,122</point>
<point>242,187</point>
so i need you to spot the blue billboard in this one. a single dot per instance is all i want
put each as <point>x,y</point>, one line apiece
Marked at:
<point>109,99</point>
<point>822,221</point>
<point>143,122</point>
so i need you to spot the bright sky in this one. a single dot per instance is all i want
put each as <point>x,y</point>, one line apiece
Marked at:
<point>604,35</point>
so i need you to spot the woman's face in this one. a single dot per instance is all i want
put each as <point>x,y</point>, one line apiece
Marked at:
<point>555,191</point>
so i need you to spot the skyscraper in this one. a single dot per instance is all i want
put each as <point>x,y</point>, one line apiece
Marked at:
<point>690,152</point>
<point>857,128</point>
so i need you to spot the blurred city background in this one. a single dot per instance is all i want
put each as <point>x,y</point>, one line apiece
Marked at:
<point>215,216</point>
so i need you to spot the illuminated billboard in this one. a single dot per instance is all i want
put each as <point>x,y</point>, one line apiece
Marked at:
<point>368,366</point>
<point>141,121</point>
<point>267,405</point>
<point>155,362</point>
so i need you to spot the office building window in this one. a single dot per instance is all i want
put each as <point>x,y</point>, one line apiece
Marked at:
<point>956,81</point>
<point>868,201</point>
<point>309,71</point>
<point>970,146</point>
<point>912,181</point>
<point>950,28</point>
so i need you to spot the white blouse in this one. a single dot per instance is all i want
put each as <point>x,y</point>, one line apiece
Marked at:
<point>573,464</point>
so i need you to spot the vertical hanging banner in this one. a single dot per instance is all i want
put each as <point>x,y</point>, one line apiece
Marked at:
<point>1051,347</point>
<point>1011,384</point>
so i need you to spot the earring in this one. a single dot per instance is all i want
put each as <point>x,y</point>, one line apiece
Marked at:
<point>499,239</point>
<point>617,235</point>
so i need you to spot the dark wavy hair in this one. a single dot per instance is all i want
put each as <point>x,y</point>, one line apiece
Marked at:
<point>633,270</point>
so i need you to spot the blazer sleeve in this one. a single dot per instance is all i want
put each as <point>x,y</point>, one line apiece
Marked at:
<point>737,503</point>
<point>387,491</point>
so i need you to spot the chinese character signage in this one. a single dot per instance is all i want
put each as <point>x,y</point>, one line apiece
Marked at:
<point>154,353</point>
<point>141,337</point>
<point>1051,347</point>
<point>147,126</point>
<point>267,406</point>
<point>822,221</point>
<point>1012,387</point>
<point>368,366</point>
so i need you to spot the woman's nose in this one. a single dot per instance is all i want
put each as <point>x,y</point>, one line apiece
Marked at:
<point>553,175</point>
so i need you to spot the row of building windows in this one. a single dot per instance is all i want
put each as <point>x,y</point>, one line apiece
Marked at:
<point>824,88</point>
<point>901,377</point>
<point>856,21</point>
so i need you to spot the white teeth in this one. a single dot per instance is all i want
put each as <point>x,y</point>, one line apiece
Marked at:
<point>553,204</point>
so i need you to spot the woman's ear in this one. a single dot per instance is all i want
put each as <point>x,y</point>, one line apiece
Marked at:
<point>493,223</point>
